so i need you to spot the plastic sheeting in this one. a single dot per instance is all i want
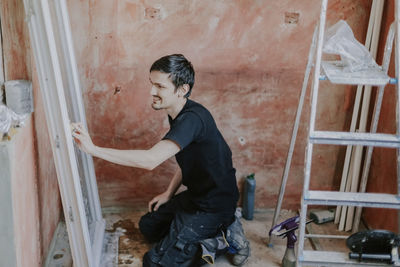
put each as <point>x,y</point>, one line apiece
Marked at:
<point>9,118</point>
<point>340,40</point>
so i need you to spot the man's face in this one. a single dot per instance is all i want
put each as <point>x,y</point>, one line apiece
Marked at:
<point>162,90</point>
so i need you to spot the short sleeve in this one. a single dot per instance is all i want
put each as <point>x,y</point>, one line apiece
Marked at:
<point>185,129</point>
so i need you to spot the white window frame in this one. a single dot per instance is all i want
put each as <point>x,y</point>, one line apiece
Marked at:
<point>52,45</point>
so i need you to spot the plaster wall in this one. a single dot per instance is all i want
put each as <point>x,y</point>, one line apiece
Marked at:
<point>20,242</point>
<point>25,199</point>
<point>249,57</point>
<point>7,242</point>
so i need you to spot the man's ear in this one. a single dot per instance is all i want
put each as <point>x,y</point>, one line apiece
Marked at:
<point>184,89</point>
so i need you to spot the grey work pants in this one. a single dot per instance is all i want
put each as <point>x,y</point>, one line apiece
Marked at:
<point>177,228</point>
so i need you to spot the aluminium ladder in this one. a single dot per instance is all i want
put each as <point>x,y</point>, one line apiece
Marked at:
<point>334,198</point>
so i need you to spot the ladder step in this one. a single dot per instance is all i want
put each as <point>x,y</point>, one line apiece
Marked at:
<point>329,258</point>
<point>335,72</point>
<point>353,138</point>
<point>326,236</point>
<point>335,198</point>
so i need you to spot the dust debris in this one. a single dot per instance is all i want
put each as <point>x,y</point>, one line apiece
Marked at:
<point>131,242</point>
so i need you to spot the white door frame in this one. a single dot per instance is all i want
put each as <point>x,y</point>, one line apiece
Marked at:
<point>52,45</point>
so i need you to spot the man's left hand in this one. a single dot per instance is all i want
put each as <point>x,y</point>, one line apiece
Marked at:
<point>157,201</point>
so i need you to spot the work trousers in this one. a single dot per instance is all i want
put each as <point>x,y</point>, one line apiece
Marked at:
<point>177,227</point>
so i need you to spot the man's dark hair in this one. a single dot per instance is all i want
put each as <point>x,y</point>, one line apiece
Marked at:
<point>180,69</point>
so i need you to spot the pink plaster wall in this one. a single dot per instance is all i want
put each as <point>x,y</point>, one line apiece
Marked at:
<point>249,66</point>
<point>25,199</point>
<point>48,192</point>
<point>35,190</point>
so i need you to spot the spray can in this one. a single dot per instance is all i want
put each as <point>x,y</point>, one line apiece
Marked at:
<point>248,197</point>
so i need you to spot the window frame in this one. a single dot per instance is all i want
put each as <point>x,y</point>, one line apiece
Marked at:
<point>52,44</point>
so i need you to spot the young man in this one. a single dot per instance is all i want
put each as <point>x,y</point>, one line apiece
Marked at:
<point>186,225</point>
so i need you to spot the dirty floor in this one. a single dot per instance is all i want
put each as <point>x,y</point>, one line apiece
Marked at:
<point>132,246</point>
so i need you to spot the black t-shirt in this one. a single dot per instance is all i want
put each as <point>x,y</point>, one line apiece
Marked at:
<point>205,159</point>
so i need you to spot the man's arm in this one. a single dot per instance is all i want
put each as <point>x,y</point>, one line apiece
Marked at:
<point>175,183</point>
<point>173,186</point>
<point>146,159</point>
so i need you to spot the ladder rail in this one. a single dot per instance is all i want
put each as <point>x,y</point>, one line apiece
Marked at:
<point>315,85</point>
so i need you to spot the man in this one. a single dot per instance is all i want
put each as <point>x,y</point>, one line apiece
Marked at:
<point>186,225</point>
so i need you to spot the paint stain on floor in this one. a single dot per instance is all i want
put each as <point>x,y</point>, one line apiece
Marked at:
<point>131,245</point>
<point>132,242</point>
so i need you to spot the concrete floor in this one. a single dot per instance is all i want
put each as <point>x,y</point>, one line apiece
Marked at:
<point>124,246</point>
<point>132,246</point>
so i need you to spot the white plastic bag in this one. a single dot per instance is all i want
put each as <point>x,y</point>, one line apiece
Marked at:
<point>339,40</point>
<point>9,118</point>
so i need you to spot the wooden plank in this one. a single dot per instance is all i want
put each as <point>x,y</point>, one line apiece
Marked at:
<point>354,117</point>
<point>374,123</point>
<point>346,189</point>
<point>365,110</point>
<point>356,109</point>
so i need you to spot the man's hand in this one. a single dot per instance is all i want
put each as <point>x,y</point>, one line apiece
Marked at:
<point>157,201</point>
<point>82,138</point>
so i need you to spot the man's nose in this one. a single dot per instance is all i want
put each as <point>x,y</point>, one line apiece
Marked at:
<point>153,90</point>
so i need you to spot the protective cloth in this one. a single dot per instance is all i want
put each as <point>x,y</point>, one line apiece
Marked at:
<point>340,40</point>
<point>234,241</point>
<point>235,235</point>
<point>211,247</point>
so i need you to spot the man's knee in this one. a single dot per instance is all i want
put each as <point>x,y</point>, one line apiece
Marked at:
<point>147,262</point>
<point>145,227</point>
<point>152,227</point>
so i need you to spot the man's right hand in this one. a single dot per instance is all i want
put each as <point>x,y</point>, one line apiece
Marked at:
<point>157,201</point>
<point>82,138</point>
